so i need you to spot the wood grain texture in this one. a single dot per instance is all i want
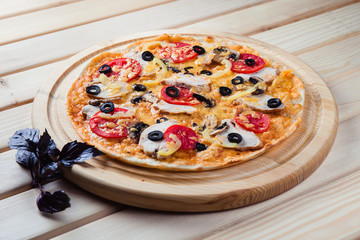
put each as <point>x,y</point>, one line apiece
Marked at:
<point>24,221</point>
<point>268,15</point>
<point>17,7</point>
<point>274,172</point>
<point>66,16</point>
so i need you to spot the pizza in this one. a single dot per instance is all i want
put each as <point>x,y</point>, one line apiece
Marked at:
<point>187,103</point>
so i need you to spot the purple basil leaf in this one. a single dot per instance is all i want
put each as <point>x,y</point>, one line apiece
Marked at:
<point>75,152</point>
<point>52,203</point>
<point>25,139</point>
<point>50,171</point>
<point>46,148</point>
<point>25,158</point>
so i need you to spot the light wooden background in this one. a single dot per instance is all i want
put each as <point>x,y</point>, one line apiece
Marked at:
<point>37,35</point>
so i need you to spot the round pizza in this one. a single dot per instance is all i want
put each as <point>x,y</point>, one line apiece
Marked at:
<point>177,102</point>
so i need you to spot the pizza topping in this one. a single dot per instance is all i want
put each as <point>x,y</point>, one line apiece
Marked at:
<point>173,108</point>
<point>267,74</point>
<point>139,87</point>
<point>199,82</point>
<point>147,56</point>
<point>123,69</point>
<point>199,50</point>
<point>155,135</point>
<point>187,136</point>
<point>88,111</point>
<point>254,79</point>
<point>110,128</point>
<point>230,137</point>
<point>107,107</point>
<point>225,91</point>
<point>274,102</point>
<point>200,147</point>
<point>260,103</point>
<point>160,120</point>
<point>152,147</point>
<point>258,91</point>
<point>93,89</point>
<point>135,129</point>
<point>237,80</point>
<point>253,121</point>
<point>105,69</point>
<point>221,73</point>
<point>137,99</point>
<point>234,138</point>
<point>178,95</point>
<point>182,52</point>
<point>208,102</point>
<point>172,91</point>
<point>247,63</point>
<point>171,146</point>
<point>206,72</point>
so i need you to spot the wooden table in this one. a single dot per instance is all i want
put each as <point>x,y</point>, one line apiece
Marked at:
<point>36,36</point>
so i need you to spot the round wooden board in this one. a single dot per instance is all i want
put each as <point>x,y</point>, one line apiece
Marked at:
<point>279,169</point>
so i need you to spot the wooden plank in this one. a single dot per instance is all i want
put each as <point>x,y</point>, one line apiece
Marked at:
<point>268,15</point>
<point>24,221</point>
<point>17,7</point>
<point>13,119</point>
<point>14,179</point>
<point>35,51</point>
<point>17,88</point>
<point>332,190</point>
<point>316,31</point>
<point>66,16</point>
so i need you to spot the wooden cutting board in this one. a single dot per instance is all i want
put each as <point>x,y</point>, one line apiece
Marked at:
<point>274,172</point>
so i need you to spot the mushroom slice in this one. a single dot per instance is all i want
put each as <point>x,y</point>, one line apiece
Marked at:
<point>151,147</point>
<point>200,83</point>
<point>267,74</point>
<point>89,110</point>
<point>149,97</point>
<point>173,108</point>
<point>261,103</point>
<point>249,139</point>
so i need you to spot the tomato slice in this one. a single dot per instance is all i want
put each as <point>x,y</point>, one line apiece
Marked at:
<point>109,128</point>
<point>185,96</point>
<point>187,136</point>
<point>126,68</point>
<point>182,52</point>
<point>240,66</point>
<point>253,121</point>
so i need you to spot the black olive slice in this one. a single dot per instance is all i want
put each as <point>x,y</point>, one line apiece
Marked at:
<point>107,107</point>
<point>93,89</point>
<point>273,102</point>
<point>172,91</point>
<point>199,50</point>
<point>147,56</point>
<point>237,80</point>
<point>187,68</point>
<point>189,73</point>
<point>258,91</point>
<point>136,128</point>
<point>163,119</point>
<point>139,87</point>
<point>233,57</point>
<point>175,70</point>
<point>209,102</point>
<point>206,72</point>
<point>200,147</point>
<point>225,91</point>
<point>250,62</point>
<point>137,99</point>
<point>155,135</point>
<point>234,138</point>
<point>254,80</point>
<point>105,69</point>
<point>221,126</point>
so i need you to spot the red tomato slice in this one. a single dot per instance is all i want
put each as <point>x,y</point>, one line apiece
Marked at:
<point>109,128</point>
<point>121,66</point>
<point>187,136</point>
<point>253,121</point>
<point>181,53</point>
<point>240,66</point>
<point>185,96</point>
